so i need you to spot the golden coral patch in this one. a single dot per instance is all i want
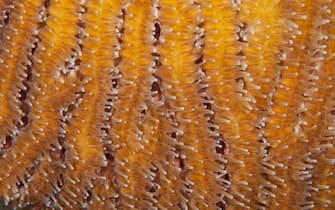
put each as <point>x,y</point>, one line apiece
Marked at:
<point>167,104</point>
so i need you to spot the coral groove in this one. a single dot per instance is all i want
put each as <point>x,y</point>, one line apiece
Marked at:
<point>167,104</point>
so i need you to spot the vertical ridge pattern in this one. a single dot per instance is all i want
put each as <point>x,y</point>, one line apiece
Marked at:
<point>17,41</point>
<point>320,91</point>
<point>179,83</point>
<point>47,178</point>
<point>167,104</point>
<point>323,172</point>
<point>221,60</point>
<point>314,86</point>
<point>134,89</point>
<point>42,130</point>
<point>105,192</point>
<point>84,145</point>
<point>262,55</point>
<point>282,137</point>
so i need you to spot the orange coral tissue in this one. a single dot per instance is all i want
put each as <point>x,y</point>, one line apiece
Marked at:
<point>167,104</point>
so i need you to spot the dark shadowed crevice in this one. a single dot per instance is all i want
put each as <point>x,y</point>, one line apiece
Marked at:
<point>5,17</point>
<point>221,148</point>
<point>109,110</point>
<point>23,92</point>
<point>156,100</point>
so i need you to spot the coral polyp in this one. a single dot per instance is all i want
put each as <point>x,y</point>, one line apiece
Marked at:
<point>167,104</point>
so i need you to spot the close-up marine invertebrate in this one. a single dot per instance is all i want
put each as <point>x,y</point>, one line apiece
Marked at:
<point>167,104</point>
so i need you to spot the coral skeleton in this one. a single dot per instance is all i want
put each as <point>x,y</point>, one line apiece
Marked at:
<point>167,104</point>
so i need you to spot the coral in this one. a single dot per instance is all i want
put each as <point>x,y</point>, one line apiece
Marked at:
<point>167,104</point>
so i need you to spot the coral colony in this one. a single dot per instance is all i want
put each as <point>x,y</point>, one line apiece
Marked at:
<point>167,104</point>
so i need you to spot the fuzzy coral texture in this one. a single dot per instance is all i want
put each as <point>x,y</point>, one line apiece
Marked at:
<point>167,104</point>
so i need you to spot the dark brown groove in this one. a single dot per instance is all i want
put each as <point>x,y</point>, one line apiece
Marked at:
<point>6,8</point>
<point>40,187</point>
<point>129,120</point>
<point>220,71</point>
<point>116,77</point>
<point>23,92</point>
<point>158,169</point>
<point>189,112</point>
<point>239,197</point>
<point>34,132</point>
<point>221,146</point>
<point>106,190</point>
<point>172,165</point>
<point>79,189</point>
<point>24,87</point>
<point>149,199</point>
